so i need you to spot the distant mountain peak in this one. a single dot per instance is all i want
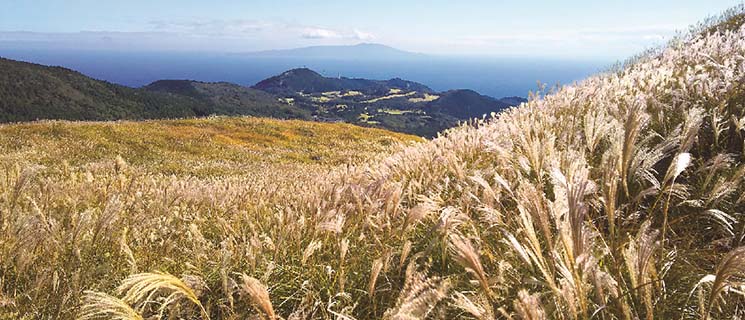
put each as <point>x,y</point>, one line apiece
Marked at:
<point>300,72</point>
<point>373,45</point>
<point>394,104</point>
<point>307,80</point>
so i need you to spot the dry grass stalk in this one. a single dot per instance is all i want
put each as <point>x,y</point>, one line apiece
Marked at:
<point>469,258</point>
<point>529,307</point>
<point>731,265</point>
<point>419,296</point>
<point>405,251</point>
<point>142,288</point>
<point>98,305</point>
<point>481,311</point>
<point>258,295</point>
<point>377,266</point>
<point>640,263</point>
<point>310,250</point>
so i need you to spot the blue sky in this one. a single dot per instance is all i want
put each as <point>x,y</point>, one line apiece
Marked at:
<point>570,28</point>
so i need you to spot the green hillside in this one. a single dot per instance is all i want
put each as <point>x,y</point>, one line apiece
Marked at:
<point>395,104</point>
<point>231,99</point>
<point>308,81</point>
<point>465,104</point>
<point>31,92</point>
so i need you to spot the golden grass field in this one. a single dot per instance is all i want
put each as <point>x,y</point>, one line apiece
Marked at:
<point>618,197</point>
<point>237,164</point>
<point>202,147</point>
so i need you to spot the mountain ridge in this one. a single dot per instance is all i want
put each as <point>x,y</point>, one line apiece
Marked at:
<point>32,92</point>
<point>230,99</point>
<point>395,104</point>
<point>307,80</point>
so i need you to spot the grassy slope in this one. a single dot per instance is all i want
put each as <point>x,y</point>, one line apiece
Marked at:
<point>149,170</point>
<point>208,146</point>
<point>609,199</point>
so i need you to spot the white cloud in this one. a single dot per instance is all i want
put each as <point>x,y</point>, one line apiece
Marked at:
<point>197,34</point>
<point>363,36</point>
<point>223,28</point>
<point>326,33</point>
<point>319,33</point>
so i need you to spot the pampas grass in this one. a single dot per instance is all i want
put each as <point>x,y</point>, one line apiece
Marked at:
<point>467,256</point>
<point>529,307</point>
<point>258,294</point>
<point>377,266</point>
<point>141,289</point>
<point>731,266</point>
<point>98,305</point>
<point>419,296</point>
<point>612,198</point>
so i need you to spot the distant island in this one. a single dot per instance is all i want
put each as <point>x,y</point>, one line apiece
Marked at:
<point>362,51</point>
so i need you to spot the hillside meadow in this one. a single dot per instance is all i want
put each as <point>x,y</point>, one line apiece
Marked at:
<point>67,172</point>
<point>619,197</point>
<point>215,146</point>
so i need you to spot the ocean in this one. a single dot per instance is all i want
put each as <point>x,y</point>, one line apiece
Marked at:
<point>496,77</point>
